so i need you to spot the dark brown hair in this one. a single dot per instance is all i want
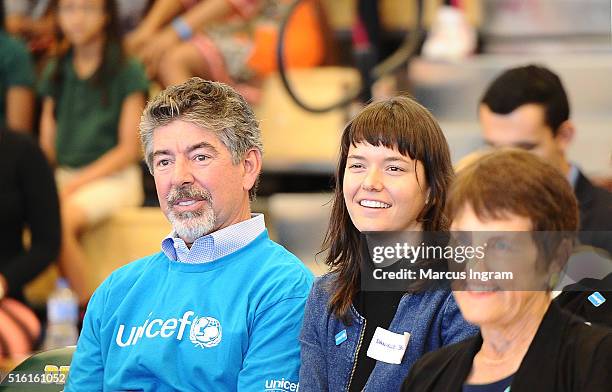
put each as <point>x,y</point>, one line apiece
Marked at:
<point>529,84</point>
<point>400,123</point>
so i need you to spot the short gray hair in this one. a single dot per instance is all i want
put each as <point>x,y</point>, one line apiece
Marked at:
<point>212,106</point>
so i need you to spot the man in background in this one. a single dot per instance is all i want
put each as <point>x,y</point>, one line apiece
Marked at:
<point>527,107</point>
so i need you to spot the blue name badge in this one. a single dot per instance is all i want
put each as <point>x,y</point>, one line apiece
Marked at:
<point>340,337</point>
<point>596,299</point>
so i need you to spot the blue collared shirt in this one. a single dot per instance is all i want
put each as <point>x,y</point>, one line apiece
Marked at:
<point>572,176</point>
<point>215,245</point>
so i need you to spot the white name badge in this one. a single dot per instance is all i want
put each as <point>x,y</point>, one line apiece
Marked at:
<point>387,346</point>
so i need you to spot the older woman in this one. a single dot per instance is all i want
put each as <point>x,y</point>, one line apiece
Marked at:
<point>526,343</point>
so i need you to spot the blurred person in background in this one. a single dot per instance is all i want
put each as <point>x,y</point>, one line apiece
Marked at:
<point>526,342</point>
<point>131,13</point>
<point>33,21</point>
<point>231,41</point>
<point>527,107</point>
<point>393,175</point>
<point>16,82</point>
<point>92,99</point>
<point>28,200</point>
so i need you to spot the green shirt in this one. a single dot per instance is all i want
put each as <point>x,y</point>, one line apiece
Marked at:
<point>87,115</point>
<point>16,69</point>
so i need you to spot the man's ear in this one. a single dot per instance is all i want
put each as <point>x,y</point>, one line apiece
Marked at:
<point>565,135</point>
<point>252,167</point>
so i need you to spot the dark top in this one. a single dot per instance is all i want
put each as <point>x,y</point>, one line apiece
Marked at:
<point>28,198</point>
<point>590,299</point>
<point>88,114</point>
<point>565,355</point>
<point>378,308</point>
<point>16,69</point>
<point>595,206</point>
<point>497,386</point>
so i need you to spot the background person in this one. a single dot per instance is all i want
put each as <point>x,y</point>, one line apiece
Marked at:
<point>526,343</point>
<point>28,199</point>
<point>220,307</point>
<point>31,20</point>
<point>230,41</point>
<point>393,173</point>
<point>527,107</point>
<point>16,82</point>
<point>93,97</point>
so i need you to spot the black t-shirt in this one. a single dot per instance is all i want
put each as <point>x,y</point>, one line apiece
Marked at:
<point>28,198</point>
<point>590,299</point>
<point>378,308</point>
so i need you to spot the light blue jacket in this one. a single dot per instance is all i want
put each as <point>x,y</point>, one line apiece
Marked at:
<point>431,317</point>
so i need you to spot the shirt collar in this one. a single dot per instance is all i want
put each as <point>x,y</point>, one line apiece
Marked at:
<point>215,245</point>
<point>572,176</point>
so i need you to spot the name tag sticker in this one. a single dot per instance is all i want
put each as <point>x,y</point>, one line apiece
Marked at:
<point>340,337</point>
<point>387,346</point>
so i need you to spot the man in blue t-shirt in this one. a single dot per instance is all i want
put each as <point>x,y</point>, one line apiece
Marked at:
<point>221,306</point>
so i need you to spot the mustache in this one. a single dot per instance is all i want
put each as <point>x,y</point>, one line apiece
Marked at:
<point>188,192</point>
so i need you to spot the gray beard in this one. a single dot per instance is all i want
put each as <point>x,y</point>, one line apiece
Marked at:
<point>191,225</point>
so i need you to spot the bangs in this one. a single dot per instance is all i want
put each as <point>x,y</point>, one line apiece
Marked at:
<point>395,124</point>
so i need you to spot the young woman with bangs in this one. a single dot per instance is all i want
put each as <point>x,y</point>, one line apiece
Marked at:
<point>393,175</point>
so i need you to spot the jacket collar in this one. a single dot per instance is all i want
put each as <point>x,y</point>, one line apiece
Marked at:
<point>583,190</point>
<point>545,344</point>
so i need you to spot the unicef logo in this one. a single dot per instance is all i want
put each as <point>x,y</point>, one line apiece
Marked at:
<point>205,332</point>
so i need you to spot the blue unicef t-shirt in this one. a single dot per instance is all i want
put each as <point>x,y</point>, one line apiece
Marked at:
<point>231,324</point>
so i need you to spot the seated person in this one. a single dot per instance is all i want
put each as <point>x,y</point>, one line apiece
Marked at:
<point>31,20</point>
<point>230,41</point>
<point>393,174</point>
<point>527,107</point>
<point>92,99</point>
<point>526,342</point>
<point>221,306</point>
<point>28,198</point>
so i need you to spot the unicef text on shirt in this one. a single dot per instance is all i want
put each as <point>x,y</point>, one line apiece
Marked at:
<point>282,385</point>
<point>204,332</point>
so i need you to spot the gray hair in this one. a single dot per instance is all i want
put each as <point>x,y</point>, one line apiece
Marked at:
<point>212,106</point>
